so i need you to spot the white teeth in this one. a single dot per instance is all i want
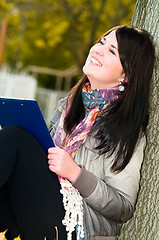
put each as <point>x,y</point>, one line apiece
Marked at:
<point>93,60</point>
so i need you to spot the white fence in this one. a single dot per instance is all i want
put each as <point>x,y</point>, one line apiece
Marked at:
<point>17,86</point>
<point>48,100</point>
<point>24,86</point>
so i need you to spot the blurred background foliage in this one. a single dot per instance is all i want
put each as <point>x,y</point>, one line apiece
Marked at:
<point>57,33</point>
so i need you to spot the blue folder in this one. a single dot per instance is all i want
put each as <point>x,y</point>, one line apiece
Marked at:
<point>26,114</point>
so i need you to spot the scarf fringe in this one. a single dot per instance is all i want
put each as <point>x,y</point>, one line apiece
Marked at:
<point>73,206</point>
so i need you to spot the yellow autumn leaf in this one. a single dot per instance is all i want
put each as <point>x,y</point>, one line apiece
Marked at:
<point>17,238</point>
<point>2,235</point>
<point>40,43</point>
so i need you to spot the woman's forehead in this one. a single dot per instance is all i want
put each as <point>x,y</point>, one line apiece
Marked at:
<point>111,37</point>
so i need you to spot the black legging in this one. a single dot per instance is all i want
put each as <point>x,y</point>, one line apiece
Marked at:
<point>30,198</point>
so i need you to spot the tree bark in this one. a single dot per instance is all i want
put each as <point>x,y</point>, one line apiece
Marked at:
<point>2,39</point>
<point>144,224</point>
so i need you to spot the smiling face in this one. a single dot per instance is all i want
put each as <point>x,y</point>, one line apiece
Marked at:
<point>103,67</point>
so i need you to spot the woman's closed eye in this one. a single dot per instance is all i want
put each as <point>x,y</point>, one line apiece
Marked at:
<point>112,51</point>
<point>101,42</point>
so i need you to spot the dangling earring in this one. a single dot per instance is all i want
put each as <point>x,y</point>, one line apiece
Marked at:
<point>121,86</point>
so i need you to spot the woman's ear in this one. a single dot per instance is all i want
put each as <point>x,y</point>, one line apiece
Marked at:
<point>123,78</point>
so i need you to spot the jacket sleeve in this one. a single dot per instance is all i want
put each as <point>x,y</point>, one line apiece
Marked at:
<point>114,195</point>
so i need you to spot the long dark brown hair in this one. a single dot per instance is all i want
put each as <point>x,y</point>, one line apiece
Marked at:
<point>121,124</point>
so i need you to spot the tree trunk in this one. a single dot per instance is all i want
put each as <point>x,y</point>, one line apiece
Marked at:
<point>145,223</point>
<point>2,39</point>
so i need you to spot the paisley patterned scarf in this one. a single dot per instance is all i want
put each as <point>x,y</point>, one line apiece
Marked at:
<point>94,101</point>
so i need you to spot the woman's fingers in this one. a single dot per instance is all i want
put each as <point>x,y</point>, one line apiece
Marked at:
<point>62,164</point>
<point>51,162</point>
<point>51,153</point>
<point>52,168</point>
<point>54,149</point>
<point>51,150</point>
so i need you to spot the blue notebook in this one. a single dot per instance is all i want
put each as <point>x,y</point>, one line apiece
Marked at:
<point>27,114</point>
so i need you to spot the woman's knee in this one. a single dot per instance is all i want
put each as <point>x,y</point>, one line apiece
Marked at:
<point>11,132</point>
<point>16,136</point>
<point>16,144</point>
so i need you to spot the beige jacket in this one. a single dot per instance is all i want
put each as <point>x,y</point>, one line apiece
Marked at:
<point>108,198</point>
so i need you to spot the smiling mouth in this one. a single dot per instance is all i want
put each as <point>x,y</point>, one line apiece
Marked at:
<point>95,61</point>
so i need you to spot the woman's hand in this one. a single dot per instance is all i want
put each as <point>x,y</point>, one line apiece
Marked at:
<point>62,164</point>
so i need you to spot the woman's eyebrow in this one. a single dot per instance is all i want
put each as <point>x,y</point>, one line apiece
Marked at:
<point>113,46</point>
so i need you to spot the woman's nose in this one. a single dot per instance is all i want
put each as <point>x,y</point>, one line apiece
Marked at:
<point>100,49</point>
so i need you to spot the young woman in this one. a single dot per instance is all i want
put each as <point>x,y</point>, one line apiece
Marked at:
<point>99,133</point>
